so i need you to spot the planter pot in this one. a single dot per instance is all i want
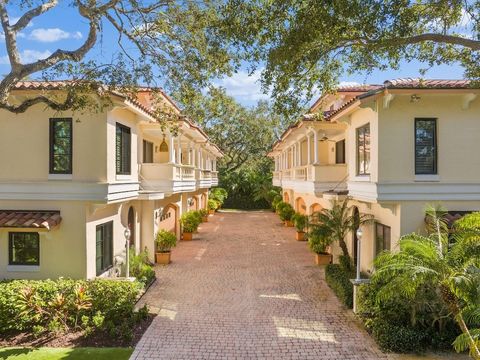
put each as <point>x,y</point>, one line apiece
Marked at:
<point>323,259</point>
<point>300,236</point>
<point>211,212</point>
<point>205,218</point>
<point>162,258</point>
<point>187,236</point>
<point>288,223</point>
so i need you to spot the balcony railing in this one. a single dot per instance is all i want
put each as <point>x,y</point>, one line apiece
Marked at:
<point>167,177</point>
<point>331,174</point>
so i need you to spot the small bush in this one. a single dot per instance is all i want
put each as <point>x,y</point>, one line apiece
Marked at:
<point>275,201</point>
<point>203,212</point>
<point>219,195</point>
<point>300,221</point>
<point>339,281</point>
<point>141,268</point>
<point>286,212</point>
<point>190,222</point>
<point>60,305</point>
<point>213,204</point>
<point>396,338</point>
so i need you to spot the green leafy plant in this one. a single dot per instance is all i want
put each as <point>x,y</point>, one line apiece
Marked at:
<point>275,201</point>
<point>140,267</point>
<point>189,222</point>
<point>203,212</point>
<point>300,221</point>
<point>339,221</point>
<point>447,263</point>
<point>198,216</point>
<point>319,238</point>
<point>219,195</point>
<point>212,204</point>
<point>165,240</point>
<point>338,278</point>
<point>286,212</point>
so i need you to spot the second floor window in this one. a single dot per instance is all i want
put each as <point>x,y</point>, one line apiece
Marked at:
<point>123,146</point>
<point>425,146</point>
<point>340,152</point>
<point>60,146</point>
<point>363,150</point>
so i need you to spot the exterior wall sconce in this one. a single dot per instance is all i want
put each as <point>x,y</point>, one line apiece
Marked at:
<point>415,98</point>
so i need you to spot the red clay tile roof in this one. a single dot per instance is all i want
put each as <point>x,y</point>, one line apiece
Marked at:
<point>358,88</point>
<point>411,83</point>
<point>29,219</point>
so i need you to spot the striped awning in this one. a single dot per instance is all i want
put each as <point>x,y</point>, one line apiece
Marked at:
<point>29,219</point>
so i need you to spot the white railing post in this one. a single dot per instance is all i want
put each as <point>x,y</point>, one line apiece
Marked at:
<point>315,147</point>
<point>309,156</point>
<point>171,148</point>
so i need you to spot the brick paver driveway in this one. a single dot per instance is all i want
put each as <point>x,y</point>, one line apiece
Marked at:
<point>245,289</point>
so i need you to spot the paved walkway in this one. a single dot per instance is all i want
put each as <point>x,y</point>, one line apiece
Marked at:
<point>245,289</point>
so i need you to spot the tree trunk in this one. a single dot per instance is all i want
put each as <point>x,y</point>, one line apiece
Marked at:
<point>343,246</point>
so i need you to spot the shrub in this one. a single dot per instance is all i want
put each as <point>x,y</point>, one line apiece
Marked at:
<point>397,338</point>
<point>140,267</point>
<point>203,212</point>
<point>280,205</point>
<point>319,240</point>
<point>189,222</point>
<point>300,221</point>
<point>165,240</point>
<point>286,212</point>
<point>63,304</point>
<point>275,201</point>
<point>212,204</point>
<point>219,195</point>
<point>339,281</point>
<point>198,216</point>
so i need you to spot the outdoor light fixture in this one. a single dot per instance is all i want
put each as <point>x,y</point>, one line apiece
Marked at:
<point>414,98</point>
<point>359,234</point>
<point>127,233</point>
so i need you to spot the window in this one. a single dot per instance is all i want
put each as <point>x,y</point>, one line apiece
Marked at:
<point>104,247</point>
<point>60,146</point>
<point>363,150</point>
<point>23,248</point>
<point>123,150</point>
<point>147,151</point>
<point>382,238</point>
<point>340,152</point>
<point>425,146</point>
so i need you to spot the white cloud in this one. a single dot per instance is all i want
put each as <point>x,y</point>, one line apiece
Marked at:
<point>244,87</point>
<point>27,56</point>
<point>348,83</point>
<point>53,34</point>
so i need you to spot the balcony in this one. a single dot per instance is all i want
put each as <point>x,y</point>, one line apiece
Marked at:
<point>204,178</point>
<point>313,178</point>
<point>166,178</point>
<point>214,178</point>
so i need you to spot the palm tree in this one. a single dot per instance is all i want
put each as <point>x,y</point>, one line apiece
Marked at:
<point>339,221</point>
<point>448,262</point>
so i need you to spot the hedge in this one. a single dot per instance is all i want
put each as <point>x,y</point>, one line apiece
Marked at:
<point>339,281</point>
<point>62,305</point>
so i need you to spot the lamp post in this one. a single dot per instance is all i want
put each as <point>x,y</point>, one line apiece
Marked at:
<point>359,234</point>
<point>127,234</point>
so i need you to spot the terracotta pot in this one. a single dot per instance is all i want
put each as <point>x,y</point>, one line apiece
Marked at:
<point>300,236</point>
<point>211,212</point>
<point>162,257</point>
<point>187,236</point>
<point>205,218</point>
<point>288,223</point>
<point>323,259</point>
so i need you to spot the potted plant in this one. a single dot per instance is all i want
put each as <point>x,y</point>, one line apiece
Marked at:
<point>286,212</point>
<point>300,221</point>
<point>219,195</point>
<point>165,241</point>
<point>212,206</point>
<point>276,200</point>
<point>204,214</point>
<point>198,216</point>
<point>279,206</point>
<point>319,241</point>
<point>189,222</point>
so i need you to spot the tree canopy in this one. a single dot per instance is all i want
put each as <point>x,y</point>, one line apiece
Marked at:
<point>307,45</point>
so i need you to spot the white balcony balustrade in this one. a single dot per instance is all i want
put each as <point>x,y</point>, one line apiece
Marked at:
<point>167,177</point>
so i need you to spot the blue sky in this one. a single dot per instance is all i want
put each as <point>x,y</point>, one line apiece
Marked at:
<point>64,28</point>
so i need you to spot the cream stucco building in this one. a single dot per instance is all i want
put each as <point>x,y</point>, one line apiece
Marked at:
<point>71,183</point>
<point>391,148</point>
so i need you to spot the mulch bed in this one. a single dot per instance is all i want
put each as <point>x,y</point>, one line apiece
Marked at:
<point>75,339</point>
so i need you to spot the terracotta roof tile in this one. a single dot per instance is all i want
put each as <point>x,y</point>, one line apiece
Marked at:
<point>29,219</point>
<point>426,83</point>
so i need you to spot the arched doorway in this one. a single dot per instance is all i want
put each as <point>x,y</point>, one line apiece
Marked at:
<point>168,220</point>
<point>203,201</point>
<point>300,206</point>
<point>193,203</point>
<point>286,197</point>
<point>131,225</point>
<point>356,222</point>
<point>315,208</point>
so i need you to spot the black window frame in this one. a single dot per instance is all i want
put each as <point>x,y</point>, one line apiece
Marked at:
<point>107,247</point>
<point>434,170</point>
<point>146,143</point>
<point>52,138</point>
<point>384,247</point>
<point>11,236</point>
<point>123,150</point>
<point>340,159</point>
<point>362,172</point>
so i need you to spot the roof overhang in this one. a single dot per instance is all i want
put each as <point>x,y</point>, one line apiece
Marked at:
<point>30,219</point>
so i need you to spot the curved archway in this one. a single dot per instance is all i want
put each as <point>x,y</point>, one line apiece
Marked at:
<point>193,203</point>
<point>131,225</point>
<point>286,197</point>
<point>168,220</point>
<point>203,201</point>
<point>315,208</point>
<point>300,206</point>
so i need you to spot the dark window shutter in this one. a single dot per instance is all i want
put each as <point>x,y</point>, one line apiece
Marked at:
<point>123,150</point>
<point>340,152</point>
<point>425,146</point>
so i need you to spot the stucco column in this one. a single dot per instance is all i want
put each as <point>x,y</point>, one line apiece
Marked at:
<point>299,153</point>
<point>309,156</point>
<point>194,151</point>
<point>315,147</point>
<point>171,148</point>
<point>189,153</point>
<point>179,149</point>
<point>215,165</point>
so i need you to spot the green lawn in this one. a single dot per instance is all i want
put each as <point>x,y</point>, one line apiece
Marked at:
<point>65,353</point>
